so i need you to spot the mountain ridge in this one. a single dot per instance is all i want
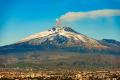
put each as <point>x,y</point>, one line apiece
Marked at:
<point>65,39</point>
<point>61,47</point>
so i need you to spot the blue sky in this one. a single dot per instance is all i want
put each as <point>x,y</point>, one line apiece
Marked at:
<point>21,18</point>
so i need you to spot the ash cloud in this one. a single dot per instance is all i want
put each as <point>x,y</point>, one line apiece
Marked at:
<point>71,16</point>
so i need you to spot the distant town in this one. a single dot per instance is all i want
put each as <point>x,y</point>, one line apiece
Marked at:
<point>30,74</point>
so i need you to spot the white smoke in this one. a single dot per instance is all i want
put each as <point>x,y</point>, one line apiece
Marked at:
<point>71,16</point>
<point>58,22</point>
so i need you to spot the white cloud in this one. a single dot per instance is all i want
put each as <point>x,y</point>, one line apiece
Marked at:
<point>70,16</point>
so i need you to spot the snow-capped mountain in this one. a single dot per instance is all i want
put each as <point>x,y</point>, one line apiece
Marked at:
<point>63,39</point>
<point>62,36</point>
<point>61,47</point>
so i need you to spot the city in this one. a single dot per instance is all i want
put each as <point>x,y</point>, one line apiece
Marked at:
<point>29,74</point>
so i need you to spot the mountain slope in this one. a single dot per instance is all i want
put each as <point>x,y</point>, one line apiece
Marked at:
<point>62,39</point>
<point>61,47</point>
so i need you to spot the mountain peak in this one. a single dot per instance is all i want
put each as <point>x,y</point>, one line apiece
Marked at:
<point>67,39</point>
<point>55,30</point>
<point>61,33</point>
<point>65,28</point>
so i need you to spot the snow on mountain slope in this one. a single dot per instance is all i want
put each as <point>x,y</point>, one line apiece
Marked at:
<point>61,31</point>
<point>73,38</point>
<point>37,35</point>
<point>63,39</point>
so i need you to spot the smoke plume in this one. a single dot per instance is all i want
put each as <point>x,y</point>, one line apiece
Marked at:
<point>71,16</point>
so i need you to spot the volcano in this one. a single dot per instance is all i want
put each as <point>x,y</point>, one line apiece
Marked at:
<point>62,39</point>
<point>61,47</point>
